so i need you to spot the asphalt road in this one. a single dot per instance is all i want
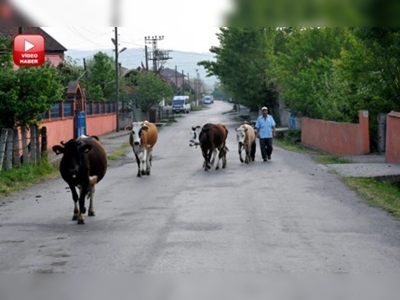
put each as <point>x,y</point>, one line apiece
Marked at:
<point>289,215</point>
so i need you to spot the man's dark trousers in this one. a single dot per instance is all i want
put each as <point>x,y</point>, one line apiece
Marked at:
<point>266,147</point>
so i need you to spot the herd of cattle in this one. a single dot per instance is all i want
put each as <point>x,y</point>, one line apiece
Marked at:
<point>84,161</point>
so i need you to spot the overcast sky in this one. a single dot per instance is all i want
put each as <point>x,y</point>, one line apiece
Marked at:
<point>186,25</point>
<point>179,39</point>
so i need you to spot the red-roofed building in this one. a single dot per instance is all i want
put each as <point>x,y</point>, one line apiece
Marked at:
<point>54,51</point>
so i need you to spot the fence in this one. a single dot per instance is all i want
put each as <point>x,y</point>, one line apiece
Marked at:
<point>335,137</point>
<point>21,146</point>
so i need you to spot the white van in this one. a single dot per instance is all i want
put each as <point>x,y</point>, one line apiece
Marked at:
<point>181,104</point>
<point>208,99</point>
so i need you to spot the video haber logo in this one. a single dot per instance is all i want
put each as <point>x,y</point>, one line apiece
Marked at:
<point>28,50</point>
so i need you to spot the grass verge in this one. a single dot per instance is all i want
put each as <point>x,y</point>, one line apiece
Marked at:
<point>117,153</point>
<point>377,193</point>
<point>24,176</point>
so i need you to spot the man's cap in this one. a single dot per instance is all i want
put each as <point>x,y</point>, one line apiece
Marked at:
<point>264,107</point>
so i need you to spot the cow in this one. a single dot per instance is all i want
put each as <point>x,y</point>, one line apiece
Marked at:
<point>142,138</point>
<point>246,139</point>
<point>83,165</point>
<point>212,140</point>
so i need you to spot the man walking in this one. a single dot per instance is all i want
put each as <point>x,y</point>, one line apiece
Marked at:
<point>265,125</point>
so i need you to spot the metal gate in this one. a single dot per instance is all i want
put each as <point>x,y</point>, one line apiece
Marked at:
<point>80,123</point>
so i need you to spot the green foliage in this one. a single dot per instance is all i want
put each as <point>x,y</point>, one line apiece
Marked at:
<point>69,70</point>
<point>101,77</point>
<point>26,93</point>
<point>241,64</point>
<point>149,90</point>
<point>306,73</point>
<point>18,178</point>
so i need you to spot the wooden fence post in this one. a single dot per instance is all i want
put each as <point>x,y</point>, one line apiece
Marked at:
<point>9,149</point>
<point>44,139</point>
<point>17,159</point>
<point>38,152</point>
<point>25,155</point>
<point>33,144</point>
<point>3,139</point>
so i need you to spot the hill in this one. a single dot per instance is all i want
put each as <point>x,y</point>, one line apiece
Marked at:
<point>132,58</point>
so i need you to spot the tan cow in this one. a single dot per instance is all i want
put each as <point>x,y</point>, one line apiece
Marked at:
<point>246,139</point>
<point>142,139</point>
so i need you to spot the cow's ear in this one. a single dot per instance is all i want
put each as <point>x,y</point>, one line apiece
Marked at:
<point>145,128</point>
<point>128,128</point>
<point>245,130</point>
<point>58,149</point>
<point>85,148</point>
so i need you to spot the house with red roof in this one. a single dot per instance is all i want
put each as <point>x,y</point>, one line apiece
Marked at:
<point>54,51</point>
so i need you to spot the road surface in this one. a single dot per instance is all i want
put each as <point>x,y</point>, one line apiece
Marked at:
<point>289,215</point>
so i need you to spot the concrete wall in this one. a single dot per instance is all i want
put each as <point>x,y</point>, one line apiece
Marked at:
<point>337,138</point>
<point>392,154</point>
<point>63,129</point>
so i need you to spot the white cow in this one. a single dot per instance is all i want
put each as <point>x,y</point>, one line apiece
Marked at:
<point>142,139</point>
<point>246,139</point>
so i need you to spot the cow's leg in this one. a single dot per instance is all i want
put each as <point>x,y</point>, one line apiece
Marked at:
<point>214,155</point>
<point>224,150</point>
<point>82,208</point>
<point>253,150</point>
<point>247,149</point>
<point>138,165</point>
<point>240,152</point>
<point>144,162</point>
<point>148,161</point>
<point>206,159</point>
<point>221,154</point>
<point>92,183</point>
<point>75,199</point>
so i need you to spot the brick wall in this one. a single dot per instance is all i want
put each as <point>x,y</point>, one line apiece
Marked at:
<point>392,154</point>
<point>335,137</point>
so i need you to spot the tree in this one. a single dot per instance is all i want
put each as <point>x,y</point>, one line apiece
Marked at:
<point>27,92</point>
<point>69,70</point>
<point>241,63</point>
<point>149,89</point>
<point>306,73</point>
<point>102,77</point>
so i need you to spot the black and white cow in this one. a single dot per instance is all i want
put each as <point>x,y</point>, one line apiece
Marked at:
<point>83,165</point>
<point>212,140</point>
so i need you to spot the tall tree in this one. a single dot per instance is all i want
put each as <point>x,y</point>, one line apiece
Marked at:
<point>147,89</point>
<point>306,73</point>
<point>27,92</point>
<point>241,62</point>
<point>102,77</point>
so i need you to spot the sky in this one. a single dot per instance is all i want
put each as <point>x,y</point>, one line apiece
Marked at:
<point>179,39</point>
<point>186,25</point>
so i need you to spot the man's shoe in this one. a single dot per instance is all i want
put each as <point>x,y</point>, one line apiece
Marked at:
<point>264,159</point>
<point>269,157</point>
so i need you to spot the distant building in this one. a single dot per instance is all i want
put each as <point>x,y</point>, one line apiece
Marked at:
<point>54,51</point>
<point>173,77</point>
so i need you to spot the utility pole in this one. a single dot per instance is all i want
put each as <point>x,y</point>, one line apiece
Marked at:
<point>176,79</point>
<point>147,57</point>
<point>157,56</point>
<point>115,41</point>
<point>197,84</point>
<point>87,79</point>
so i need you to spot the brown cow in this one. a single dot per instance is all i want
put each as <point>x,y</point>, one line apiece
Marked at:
<point>246,139</point>
<point>142,139</point>
<point>83,164</point>
<point>212,139</point>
